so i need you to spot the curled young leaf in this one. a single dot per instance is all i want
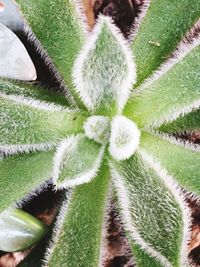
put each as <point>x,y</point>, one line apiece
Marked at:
<point>124,138</point>
<point>15,62</point>
<point>104,71</point>
<point>19,230</point>
<point>77,161</point>
<point>98,128</point>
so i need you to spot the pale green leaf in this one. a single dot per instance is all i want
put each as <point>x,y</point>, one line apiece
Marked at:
<point>171,94</point>
<point>25,121</point>
<point>77,161</point>
<point>104,71</point>
<point>33,90</point>
<point>163,27</point>
<point>181,162</point>
<point>19,230</point>
<point>79,243</point>
<point>20,174</point>
<point>152,210</point>
<point>58,27</point>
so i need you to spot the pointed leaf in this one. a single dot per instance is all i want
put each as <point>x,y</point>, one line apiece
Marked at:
<point>19,230</point>
<point>104,70</point>
<point>20,174</point>
<point>171,93</point>
<point>188,123</point>
<point>33,90</point>
<point>77,241</point>
<point>163,27</point>
<point>15,62</point>
<point>26,121</point>
<point>153,210</point>
<point>63,35</point>
<point>77,161</point>
<point>180,161</point>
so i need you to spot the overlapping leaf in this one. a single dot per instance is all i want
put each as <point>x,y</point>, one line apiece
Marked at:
<point>58,27</point>
<point>181,161</point>
<point>152,209</point>
<point>171,93</point>
<point>163,26</point>
<point>81,225</point>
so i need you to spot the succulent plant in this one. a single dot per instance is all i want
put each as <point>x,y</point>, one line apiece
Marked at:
<point>110,131</point>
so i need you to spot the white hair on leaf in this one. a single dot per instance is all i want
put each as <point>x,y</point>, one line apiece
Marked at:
<point>174,114</point>
<point>8,150</point>
<point>179,196</point>
<point>174,190</point>
<point>125,208</point>
<point>97,128</point>
<point>38,104</point>
<point>139,19</point>
<point>15,62</point>
<point>75,163</point>
<point>103,76</point>
<point>124,138</point>
<point>181,51</point>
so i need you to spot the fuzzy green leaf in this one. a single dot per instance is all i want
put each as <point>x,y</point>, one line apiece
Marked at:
<point>163,27</point>
<point>58,27</point>
<point>20,174</point>
<point>141,258</point>
<point>19,230</point>
<point>79,243</point>
<point>33,90</point>
<point>77,161</point>
<point>188,123</point>
<point>171,94</point>
<point>104,71</point>
<point>152,210</point>
<point>181,162</point>
<point>28,122</point>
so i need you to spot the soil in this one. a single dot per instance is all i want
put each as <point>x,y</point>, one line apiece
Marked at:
<point>117,252</point>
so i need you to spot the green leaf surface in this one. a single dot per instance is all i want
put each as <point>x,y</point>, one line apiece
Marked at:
<point>104,71</point>
<point>174,94</point>
<point>19,230</point>
<point>163,27</point>
<point>181,162</point>
<point>77,161</point>
<point>187,123</point>
<point>33,90</point>
<point>58,27</point>
<point>141,258</point>
<point>30,123</point>
<point>150,210</point>
<point>79,243</point>
<point>20,174</point>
